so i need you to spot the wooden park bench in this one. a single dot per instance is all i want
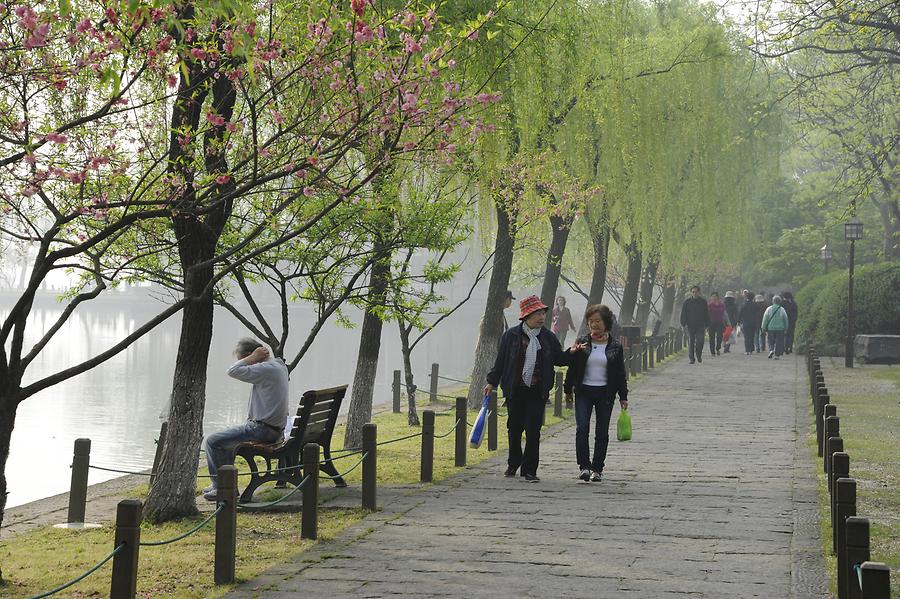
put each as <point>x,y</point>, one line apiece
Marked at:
<point>314,423</point>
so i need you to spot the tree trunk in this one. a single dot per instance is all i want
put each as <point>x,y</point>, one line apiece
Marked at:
<point>668,307</point>
<point>412,417</point>
<point>632,281</point>
<point>8,406</point>
<point>891,235</point>
<point>560,228</point>
<point>600,241</point>
<point>492,322</point>
<point>360,411</point>
<point>648,281</point>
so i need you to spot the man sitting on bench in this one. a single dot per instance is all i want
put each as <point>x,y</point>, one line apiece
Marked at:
<point>268,407</point>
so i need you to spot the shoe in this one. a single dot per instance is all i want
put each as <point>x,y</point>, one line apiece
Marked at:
<point>510,471</point>
<point>532,478</point>
<point>596,477</point>
<point>771,354</point>
<point>699,359</point>
<point>777,358</point>
<point>692,361</point>
<point>208,489</point>
<point>585,475</point>
<point>211,495</point>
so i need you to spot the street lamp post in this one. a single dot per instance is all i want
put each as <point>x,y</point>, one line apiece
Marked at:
<point>825,253</point>
<point>853,230</point>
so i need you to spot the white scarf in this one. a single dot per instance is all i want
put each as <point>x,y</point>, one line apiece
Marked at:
<point>530,352</point>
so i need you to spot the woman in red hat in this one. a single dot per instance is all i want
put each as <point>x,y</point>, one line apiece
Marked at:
<point>524,371</point>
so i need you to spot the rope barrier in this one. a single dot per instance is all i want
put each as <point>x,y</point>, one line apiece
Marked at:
<point>188,533</point>
<point>400,439</point>
<point>83,576</point>
<point>858,569</point>
<point>121,471</point>
<point>343,455</point>
<point>276,502</point>
<point>447,434</point>
<point>343,474</point>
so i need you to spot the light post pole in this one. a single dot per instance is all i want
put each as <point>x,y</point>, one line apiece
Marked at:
<point>853,230</point>
<point>825,253</point>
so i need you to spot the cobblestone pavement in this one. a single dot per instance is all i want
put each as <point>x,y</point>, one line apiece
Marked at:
<point>715,497</point>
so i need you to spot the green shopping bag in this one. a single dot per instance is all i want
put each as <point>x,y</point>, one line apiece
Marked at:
<point>623,426</point>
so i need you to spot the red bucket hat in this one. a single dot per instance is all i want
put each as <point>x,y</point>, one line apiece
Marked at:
<point>529,305</point>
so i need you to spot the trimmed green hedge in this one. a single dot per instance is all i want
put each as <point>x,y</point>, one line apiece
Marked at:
<point>823,305</point>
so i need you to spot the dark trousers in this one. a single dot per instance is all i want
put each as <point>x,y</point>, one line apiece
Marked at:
<point>789,339</point>
<point>695,341</point>
<point>749,338</point>
<point>776,342</point>
<point>716,330</point>
<point>588,400</point>
<point>526,414</point>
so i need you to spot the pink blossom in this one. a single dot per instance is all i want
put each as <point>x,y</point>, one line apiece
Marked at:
<point>279,118</point>
<point>473,35</point>
<point>29,191</point>
<point>189,34</point>
<point>223,179</point>
<point>216,120</point>
<point>77,177</point>
<point>232,127</point>
<point>363,33</point>
<point>172,80</point>
<point>264,152</point>
<point>451,63</point>
<point>410,44</point>
<point>30,159</point>
<point>198,53</point>
<point>308,191</point>
<point>358,7</point>
<point>55,137</point>
<point>312,160</point>
<point>409,146</point>
<point>300,174</point>
<point>427,24</point>
<point>112,16</point>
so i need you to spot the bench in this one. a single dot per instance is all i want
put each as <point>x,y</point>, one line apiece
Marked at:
<point>314,423</point>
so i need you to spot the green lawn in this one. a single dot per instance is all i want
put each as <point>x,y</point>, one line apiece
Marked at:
<point>868,401</point>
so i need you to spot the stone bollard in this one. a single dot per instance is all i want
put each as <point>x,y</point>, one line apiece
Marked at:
<point>876,580</point>
<point>856,552</point>
<point>645,356</point>
<point>844,507</point>
<point>492,421</point>
<point>396,391</point>
<point>125,564</point>
<point>651,353</point>
<point>434,384</point>
<point>558,399</point>
<point>309,527</point>
<point>370,466</point>
<point>427,460</point>
<point>81,461</point>
<point>226,525</point>
<point>160,443</point>
<point>832,429</point>
<point>840,468</point>
<point>835,445</point>
<point>819,413</point>
<point>461,430</point>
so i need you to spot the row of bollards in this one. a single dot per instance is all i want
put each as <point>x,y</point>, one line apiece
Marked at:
<point>644,355</point>
<point>857,577</point>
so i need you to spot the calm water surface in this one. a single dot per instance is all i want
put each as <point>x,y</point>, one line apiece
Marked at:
<point>119,404</point>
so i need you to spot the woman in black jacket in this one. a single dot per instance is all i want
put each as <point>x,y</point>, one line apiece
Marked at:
<point>597,374</point>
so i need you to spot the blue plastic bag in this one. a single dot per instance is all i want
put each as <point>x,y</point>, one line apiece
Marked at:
<point>477,434</point>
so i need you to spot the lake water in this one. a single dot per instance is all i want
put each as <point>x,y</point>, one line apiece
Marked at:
<point>119,404</point>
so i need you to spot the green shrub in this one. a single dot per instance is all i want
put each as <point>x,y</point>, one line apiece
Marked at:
<point>823,305</point>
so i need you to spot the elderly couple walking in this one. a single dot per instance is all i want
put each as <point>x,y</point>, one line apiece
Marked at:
<point>524,370</point>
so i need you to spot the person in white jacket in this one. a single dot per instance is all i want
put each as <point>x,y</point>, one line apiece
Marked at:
<point>775,323</point>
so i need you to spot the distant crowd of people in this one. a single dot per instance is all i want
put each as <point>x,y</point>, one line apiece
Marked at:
<point>765,321</point>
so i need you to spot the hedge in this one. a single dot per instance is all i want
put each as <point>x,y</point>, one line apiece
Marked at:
<point>822,305</point>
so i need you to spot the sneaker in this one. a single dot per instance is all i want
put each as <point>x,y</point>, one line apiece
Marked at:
<point>699,359</point>
<point>585,475</point>
<point>211,495</point>
<point>510,471</point>
<point>692,361</point>
<point>532,478</point>
<point>596,477</point>
<point>771,354</point>
<point>777,358</point>
<point>208,489</point>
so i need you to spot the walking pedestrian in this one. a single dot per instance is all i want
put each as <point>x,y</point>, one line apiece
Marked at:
<point>790,306</point>
<point>716,326</point>
<point>748,318</point>
<point>507,301</point>
<point>731,319</point>
<point>562,320</point>
<point>597,375</point>
<point>524,371</point>
<point>774,325</point>
<point>695,316</point>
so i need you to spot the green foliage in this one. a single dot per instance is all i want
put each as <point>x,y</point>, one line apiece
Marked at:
<point>823,304</point>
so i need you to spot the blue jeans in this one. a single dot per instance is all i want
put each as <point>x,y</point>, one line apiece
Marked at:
<point>220,446</point>
<point>587,400</point>
<point>776,342</point>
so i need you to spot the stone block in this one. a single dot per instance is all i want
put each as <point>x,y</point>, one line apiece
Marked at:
<point>877,349</point>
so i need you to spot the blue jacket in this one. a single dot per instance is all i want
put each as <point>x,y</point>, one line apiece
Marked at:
<point>507,370</point>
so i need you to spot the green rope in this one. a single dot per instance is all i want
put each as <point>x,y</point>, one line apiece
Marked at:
<point>447,434</point>
<point>260,506</point>
<point>188,533</point>
<point>83,576</point>
<point>337,476</point>
<point>858,569</point>
<point>400,439</point>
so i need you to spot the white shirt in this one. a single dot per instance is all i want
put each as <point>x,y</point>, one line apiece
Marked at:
<point>595,370</point>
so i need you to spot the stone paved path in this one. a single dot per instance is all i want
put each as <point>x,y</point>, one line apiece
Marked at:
<point>715,497</point>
